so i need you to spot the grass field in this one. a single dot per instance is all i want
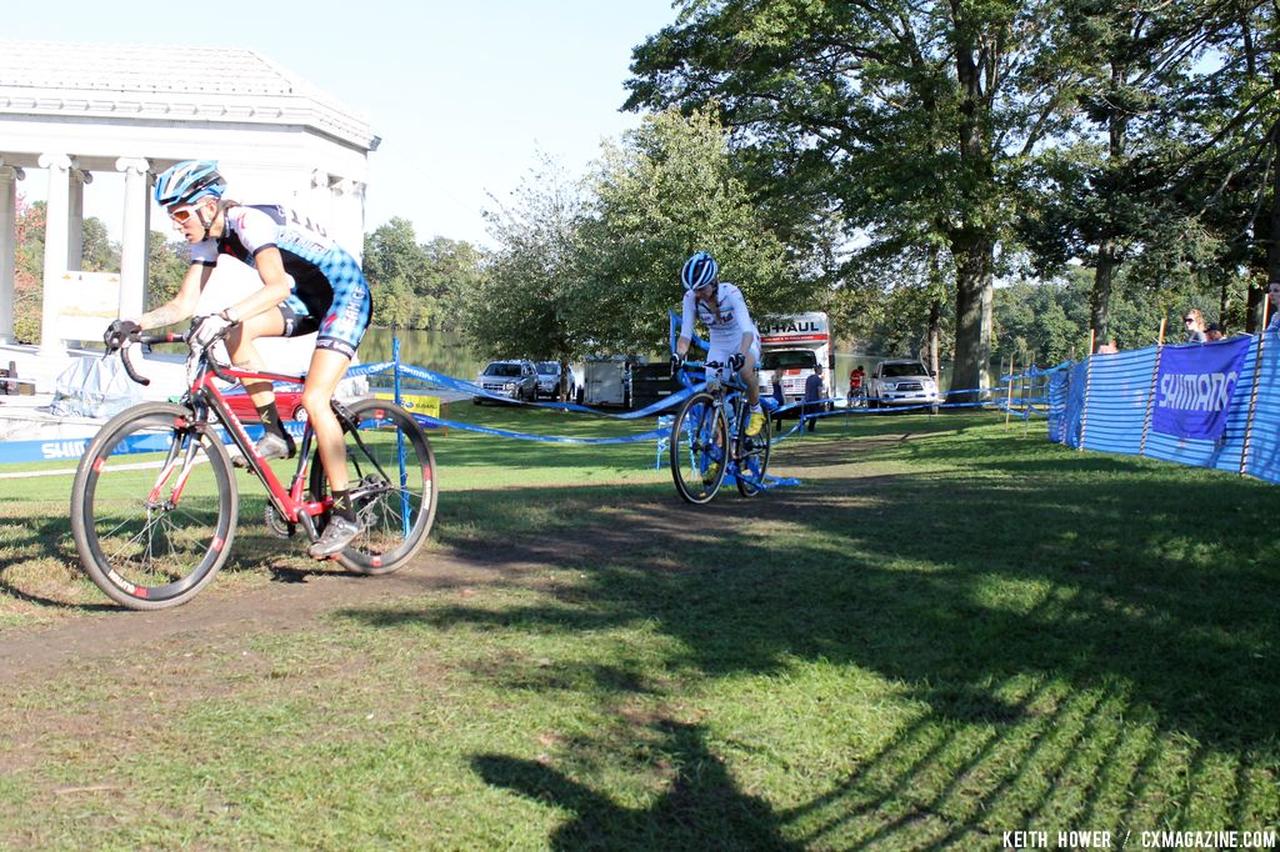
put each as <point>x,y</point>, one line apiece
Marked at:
<point>949,631</point>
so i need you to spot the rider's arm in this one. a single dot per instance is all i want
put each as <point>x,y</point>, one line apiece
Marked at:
<point>739,306</point>
<point>686,323</point>
<point>183,304</point>
<point>276,286</point>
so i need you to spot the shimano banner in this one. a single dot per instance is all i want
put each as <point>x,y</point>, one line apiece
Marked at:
<point>1194,388</point>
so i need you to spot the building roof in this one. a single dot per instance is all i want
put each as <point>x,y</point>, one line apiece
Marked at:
<point>205,84</point>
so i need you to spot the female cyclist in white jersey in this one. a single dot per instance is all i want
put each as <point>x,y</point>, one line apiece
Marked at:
<point>734,339</point>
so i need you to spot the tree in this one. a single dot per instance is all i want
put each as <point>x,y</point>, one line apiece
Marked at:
<point>522,306</point>
<point>98,252</point>
<point>418,285</point>
<point>167,264</point>
<point>912,120</point>
<point>666,191</point>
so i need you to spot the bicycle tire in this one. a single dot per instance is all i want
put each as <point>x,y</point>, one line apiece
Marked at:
<point>699,449</point>
<point>394,529</point>
<point>143,552</point>
<point>753,455</point>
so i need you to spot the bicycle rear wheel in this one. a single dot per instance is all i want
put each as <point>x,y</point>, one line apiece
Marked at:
<point>699,449</point>
<point>153,507</point>
<point>753,461</point>
<point>392,472</point>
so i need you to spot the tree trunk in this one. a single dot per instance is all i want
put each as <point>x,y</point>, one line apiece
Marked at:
<point>1258,294</point>
<point>974,294</point>
<point>1109,247</point>
<point>1273,247</point>
<point>934,333</point>
<point>1100,298</point>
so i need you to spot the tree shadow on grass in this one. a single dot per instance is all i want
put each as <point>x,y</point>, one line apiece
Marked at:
<point>702,807</point>
<point>948,580</point>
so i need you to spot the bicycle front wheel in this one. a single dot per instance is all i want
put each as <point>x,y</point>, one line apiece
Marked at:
<point>699,448</point>
<point>392,474</point>
<point>753,461</point>
<point>153,507</point>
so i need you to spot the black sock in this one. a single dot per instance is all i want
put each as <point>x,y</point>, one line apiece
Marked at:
<point>342,504</point>
<point>270,417</point>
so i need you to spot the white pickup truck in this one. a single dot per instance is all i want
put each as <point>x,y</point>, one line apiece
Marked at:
<point>902,381</point>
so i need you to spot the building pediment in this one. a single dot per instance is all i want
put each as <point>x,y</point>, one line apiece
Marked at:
<point>178,84</point>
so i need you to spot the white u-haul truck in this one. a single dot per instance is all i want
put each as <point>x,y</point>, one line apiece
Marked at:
<point>795,346</point>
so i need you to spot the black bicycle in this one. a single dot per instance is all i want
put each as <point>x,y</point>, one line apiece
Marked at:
<point>709,439</point>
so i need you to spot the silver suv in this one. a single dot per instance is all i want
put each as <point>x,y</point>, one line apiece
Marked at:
<point>515,379</point>
<point>902,381</point>
<point>549,380</point>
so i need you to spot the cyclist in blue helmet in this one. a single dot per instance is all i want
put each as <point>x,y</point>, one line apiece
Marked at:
<point>309,283</point>
<point>734,339</point>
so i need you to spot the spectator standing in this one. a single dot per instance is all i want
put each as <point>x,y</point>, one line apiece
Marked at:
<point>779,398</point>
<point>1213,332</point>
<point>1193,321</point>
<point>812,395</point>
<point>1273,292</point>
<point>856,379</point>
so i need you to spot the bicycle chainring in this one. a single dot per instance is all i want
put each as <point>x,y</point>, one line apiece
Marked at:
<point>278,526</point>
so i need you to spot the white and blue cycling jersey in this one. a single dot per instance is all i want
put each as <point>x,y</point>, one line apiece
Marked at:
<point>330,294</point>
<point>726,326</point>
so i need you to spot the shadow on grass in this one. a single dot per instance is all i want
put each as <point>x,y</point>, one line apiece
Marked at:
<point>702,808</point>
<point>1136,599</point>
<point>1091,571</point>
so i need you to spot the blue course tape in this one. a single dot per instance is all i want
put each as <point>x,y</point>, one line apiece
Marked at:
<point>428,420</point>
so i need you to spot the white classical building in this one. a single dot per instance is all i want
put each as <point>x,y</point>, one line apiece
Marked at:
<point>79,109</point>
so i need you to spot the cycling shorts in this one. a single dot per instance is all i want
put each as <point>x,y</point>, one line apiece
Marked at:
<point>341,311</point>
<point>722,356</point>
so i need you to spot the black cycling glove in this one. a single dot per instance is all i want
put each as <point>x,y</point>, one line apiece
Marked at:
<point>119,331</point>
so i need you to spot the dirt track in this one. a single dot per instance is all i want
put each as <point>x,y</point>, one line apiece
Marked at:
<point>299,597</point>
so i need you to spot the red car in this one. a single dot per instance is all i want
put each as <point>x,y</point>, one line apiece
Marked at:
<point>288,402</point>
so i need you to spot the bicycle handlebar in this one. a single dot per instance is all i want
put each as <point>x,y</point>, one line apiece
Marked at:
<point>168,337</point>
<point>146,340</point>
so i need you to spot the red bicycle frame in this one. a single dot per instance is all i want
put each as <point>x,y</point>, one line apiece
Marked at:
<point>289,502</point>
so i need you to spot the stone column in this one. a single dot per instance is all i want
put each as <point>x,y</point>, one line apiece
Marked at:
<point>56,248</point>
<point>348,220</point>
<point>77,178</point>
<point>134,256</point>
<point>9,177</point>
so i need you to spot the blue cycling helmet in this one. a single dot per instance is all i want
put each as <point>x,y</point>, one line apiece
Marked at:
<point>189,181</point>
<point>699,270</point>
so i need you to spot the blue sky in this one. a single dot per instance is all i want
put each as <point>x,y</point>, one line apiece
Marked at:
<point>463,95</point>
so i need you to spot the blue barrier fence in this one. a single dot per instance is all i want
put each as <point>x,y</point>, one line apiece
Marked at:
<point>1108,403</point>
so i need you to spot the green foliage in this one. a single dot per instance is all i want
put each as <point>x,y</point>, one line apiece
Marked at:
<point>99,254</point>
<point>524,307</point>
<point>668,190</point>
<point>417,285</point>
<point>167,264</point>
<point>1048,322</point>
<point>1106,134</point>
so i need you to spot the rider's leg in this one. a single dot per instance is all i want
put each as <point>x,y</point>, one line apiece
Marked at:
<point>327,369</point>
<point>748,374</point>
<point>245,356</point>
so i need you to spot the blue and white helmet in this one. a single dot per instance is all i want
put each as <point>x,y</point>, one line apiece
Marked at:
<point>189,181</point>
<point>699,270</point>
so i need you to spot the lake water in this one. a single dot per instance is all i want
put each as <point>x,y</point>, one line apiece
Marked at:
<point>441,351</point>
